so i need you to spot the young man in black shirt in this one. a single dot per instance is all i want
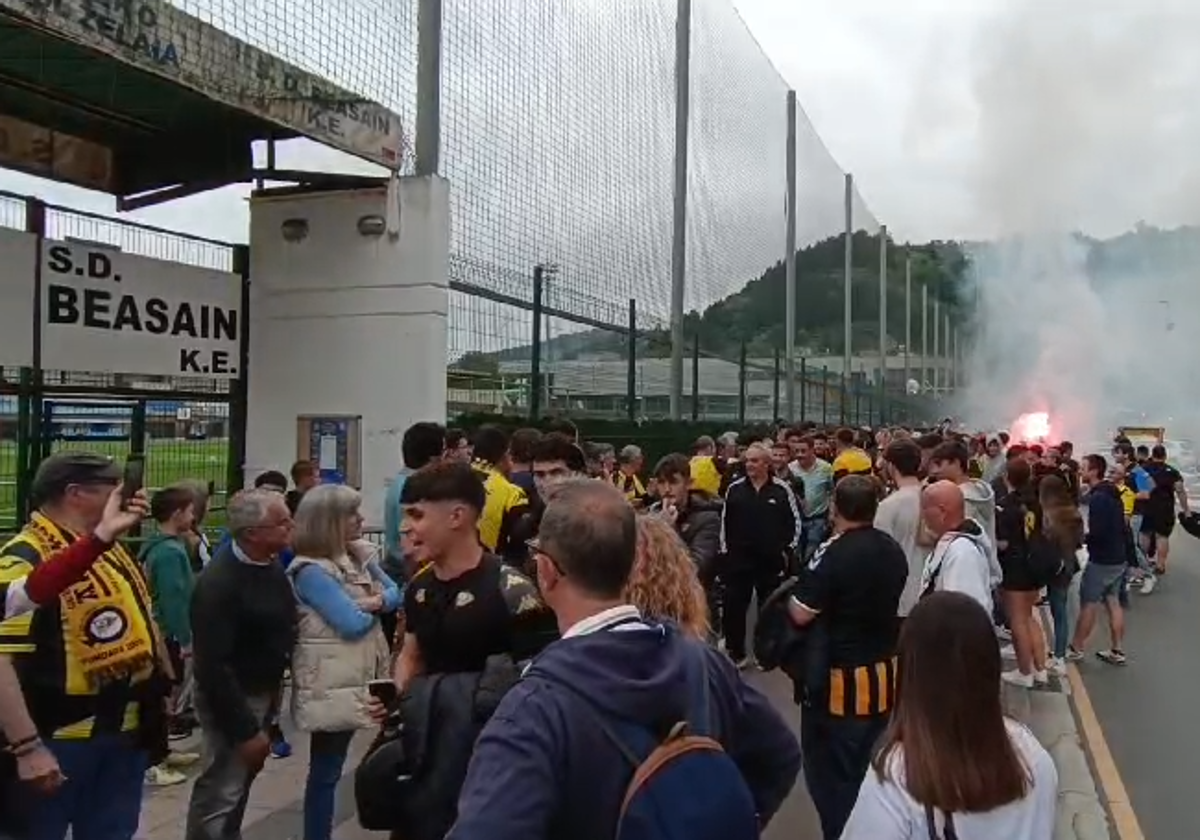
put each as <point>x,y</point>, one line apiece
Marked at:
<point>464,604</point>
<point>847,596</point>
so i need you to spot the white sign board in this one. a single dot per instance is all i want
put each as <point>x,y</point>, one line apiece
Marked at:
<point>160,38</point>
<point>18,262</point>
<point>110,312</point>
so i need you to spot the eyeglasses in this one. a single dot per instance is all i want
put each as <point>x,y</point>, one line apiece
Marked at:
<point>535,547</point>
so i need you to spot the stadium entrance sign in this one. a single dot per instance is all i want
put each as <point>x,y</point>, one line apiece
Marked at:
<point>158,37</point>
<point>110,312</point>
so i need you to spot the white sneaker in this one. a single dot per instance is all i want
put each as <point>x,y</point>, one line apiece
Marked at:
<point>1016,678</point>
<point>178,759</point>
<point>1008,652</point>
<point>1056,666</point>
<point>1004,634</point>
<point>1041,678</point>
<point>1148,584</point>
<point>162,776</point>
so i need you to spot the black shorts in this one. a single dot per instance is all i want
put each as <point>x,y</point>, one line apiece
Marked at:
<point>1160,524</point>
<point>1017,577</point>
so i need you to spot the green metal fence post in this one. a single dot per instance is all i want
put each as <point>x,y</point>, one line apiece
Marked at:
<point>803,390</point>
<point>696,374</point>
<point>239,402</point>
<point>535,350</point>
<point>631,371</point>
<point>824,394</point>
<point>742,386</point>
<point>775,392</point>
<point>38,432</point>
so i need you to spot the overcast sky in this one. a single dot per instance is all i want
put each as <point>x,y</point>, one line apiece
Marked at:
<point>957,117</point>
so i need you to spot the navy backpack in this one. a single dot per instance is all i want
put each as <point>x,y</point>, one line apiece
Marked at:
<point>684,787</point>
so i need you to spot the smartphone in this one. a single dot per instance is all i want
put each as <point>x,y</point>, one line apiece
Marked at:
<point>384,691</point>
<point>131,481</point>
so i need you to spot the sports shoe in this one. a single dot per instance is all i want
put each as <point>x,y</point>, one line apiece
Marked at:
<point>280,748</point>
<point>1016,678</point>
<point>1008,652</point>
<point>1112,657</point>
<point>1148,584</point>
<point>162,776</point>
<point>1056,666</point>
<point>1074,655</point>
<point>1004,634</point>
<point>176,760</point>
<point>1041,678</point>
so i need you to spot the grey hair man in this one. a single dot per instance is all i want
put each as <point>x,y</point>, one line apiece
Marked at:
<point>612,663</point>
<point>244,629</point>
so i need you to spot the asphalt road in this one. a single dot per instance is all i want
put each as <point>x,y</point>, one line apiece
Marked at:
<point>796,820</point>
<point>1148,709</point>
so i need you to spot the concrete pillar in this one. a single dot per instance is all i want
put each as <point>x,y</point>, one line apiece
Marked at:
<point>348,318</point>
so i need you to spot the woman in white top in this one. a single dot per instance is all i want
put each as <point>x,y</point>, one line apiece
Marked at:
<point>951,766</point>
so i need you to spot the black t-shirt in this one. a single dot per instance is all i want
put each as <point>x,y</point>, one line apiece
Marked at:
<point>1013,526</point>
<point>1164,479</point>
<point>488,610</point>
<point>855,581</point>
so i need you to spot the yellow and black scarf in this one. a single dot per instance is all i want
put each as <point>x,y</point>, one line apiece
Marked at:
<point>107,630</point>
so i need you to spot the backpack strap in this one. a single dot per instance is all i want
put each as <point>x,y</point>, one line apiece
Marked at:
<point>931,825</point>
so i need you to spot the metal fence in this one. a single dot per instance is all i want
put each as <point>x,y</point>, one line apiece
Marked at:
<point>574,151</point>
<point>185,427</point>
<point>560,132</point>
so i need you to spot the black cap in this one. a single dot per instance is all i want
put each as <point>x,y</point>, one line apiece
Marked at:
<point>62,469</point>
<point>271,480</point>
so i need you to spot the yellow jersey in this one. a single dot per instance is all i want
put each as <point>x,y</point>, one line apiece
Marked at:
<point>505,504</point>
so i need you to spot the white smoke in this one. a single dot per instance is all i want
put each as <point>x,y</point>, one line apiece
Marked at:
<point>1086,123</point>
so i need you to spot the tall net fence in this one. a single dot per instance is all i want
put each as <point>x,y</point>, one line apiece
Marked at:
<point>558,138</point>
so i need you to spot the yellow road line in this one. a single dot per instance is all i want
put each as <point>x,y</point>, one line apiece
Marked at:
<point>1112,788</point>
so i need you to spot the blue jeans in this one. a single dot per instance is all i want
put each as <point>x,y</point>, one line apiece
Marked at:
<point>1056,594</point>
<point>816,531</point>
<point>327,757</point>
<point>102,797</point>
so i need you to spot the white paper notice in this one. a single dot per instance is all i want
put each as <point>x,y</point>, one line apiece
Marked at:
<point>328,453</point>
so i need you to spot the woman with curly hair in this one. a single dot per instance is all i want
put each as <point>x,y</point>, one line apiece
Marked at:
<point>664,583</point>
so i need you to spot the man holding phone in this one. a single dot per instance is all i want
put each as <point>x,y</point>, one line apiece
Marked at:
<point>74,610</point>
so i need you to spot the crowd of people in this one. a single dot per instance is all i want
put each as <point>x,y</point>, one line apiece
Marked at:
<point>552,641</point>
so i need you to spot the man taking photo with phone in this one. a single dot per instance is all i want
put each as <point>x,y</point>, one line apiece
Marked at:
<point>82,667</point>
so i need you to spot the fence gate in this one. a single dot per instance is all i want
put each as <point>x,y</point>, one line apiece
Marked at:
<point>118,338</point>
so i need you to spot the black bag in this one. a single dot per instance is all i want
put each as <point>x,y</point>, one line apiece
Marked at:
<point>775,633</point>
<point>410,778</point>
<point>1045,561</point>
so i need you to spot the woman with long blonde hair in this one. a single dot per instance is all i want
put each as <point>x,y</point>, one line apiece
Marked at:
<point>664,583</point>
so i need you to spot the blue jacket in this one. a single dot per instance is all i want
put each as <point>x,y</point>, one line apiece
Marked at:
<point>544,770</point>
<point>1107,531</point>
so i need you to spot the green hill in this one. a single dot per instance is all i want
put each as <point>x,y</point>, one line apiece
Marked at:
<point>755,315</point>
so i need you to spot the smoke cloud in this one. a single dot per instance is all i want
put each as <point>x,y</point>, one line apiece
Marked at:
<point>1086,176</point>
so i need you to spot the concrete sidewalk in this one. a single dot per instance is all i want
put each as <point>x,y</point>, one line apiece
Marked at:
<point>275,806</point>
<point>1081,813</point>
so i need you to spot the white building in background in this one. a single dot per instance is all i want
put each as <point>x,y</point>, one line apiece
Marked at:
<point>600,386</point>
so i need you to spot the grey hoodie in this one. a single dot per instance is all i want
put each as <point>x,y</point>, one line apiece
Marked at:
<point>981,506</point>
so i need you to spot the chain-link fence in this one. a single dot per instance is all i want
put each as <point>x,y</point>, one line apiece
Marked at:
<point>559,136</point>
